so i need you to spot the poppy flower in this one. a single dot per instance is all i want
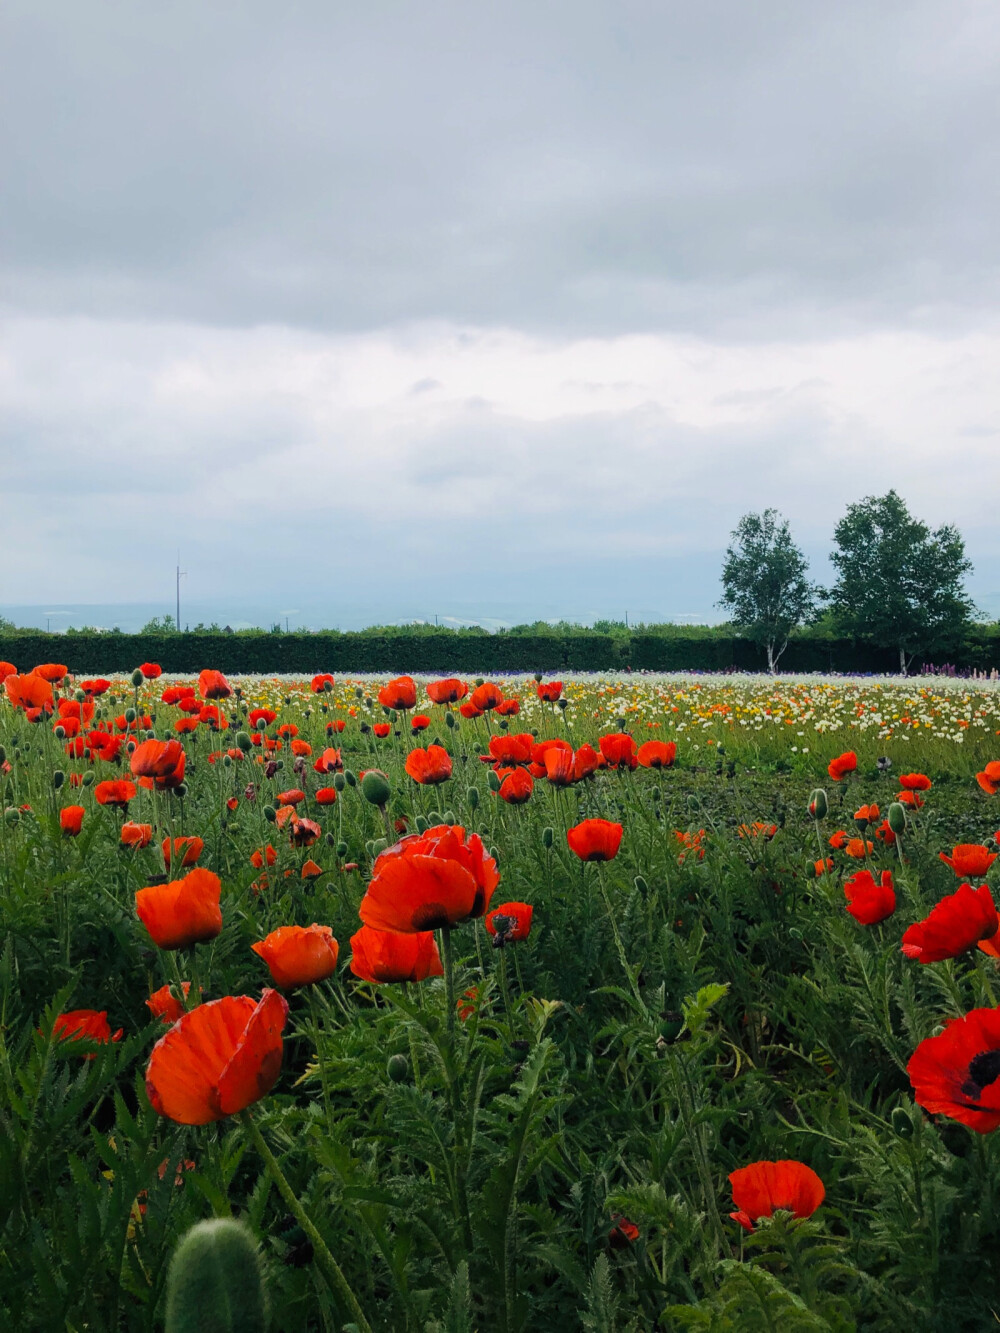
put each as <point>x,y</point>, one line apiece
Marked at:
<point>989,779</point>
<point>516,787</point>
<point>213,685</point>
<point>163,1004</point>
<point>173,694</point>
<point>136,835</point>
<point>310,870</point>
<point>954,925</point>
<point>74,708</point>
<point>758,829</point>
<point>330,761</point>
<point>217,1059</point>
<point>335,724</point>
<point>158,764</point>
<point>657,754</point>
<point>185,725</point>
<point>955,1073</point>
<point>842,765</point>
<point>539,750</point>
<point>299,955</point>
<point>486,697</point>
<point>85,1025</point>
<point>304,833</point>
<point>71,820</point>
<point>189,704</point>
<point>595,839</point>
<point>51,671</point>
<point>586,761</point>
<point>761,1188</point>
<point>213,717</point>
<point>969,860</point>
<point>870,901</point>
<point>823,867</point>
<point>93,688</point>
<point>419,722</point>
<point>434,879</point>
<point>560,767</point>
<point>320,684</point>
<point>467,1003</point>
<point>549,691</point>
<point>508,708</point>
<point>858,848</point>
<point>915,782</point>
<point>691,842</point>
<point>188,849</point>
<point>261,717</point>
<point>910,798</point>
<point>151,670</point>
<point>257,858</point>
<point>430,766</point>
<point>184,912</point>
<point>623,1234</point>
<point>115,792</point>
<point>618,750</point>
<point>866,814</point>
<point>381,956</point>
<point>469,710</point>
<point>293,796</point>
<point>510,750</point>
<point>398,694</point>
<point>7,669</point>
<point>448,691</point>
<point>509,922</point>
<point>325,796</point>
<point>381,729</point>
<point>29,692</point>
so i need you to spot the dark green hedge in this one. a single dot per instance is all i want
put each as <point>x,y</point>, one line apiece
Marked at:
<point>446,653</point>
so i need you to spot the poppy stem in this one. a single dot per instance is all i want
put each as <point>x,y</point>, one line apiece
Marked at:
<point>447,957</point>
<point>331,1269</point>
<point>618,940</point>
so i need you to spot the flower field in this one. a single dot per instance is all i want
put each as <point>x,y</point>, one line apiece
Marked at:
<point>599,1004</point>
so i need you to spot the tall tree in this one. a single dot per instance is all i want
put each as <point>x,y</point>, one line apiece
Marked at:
<point>764,582</point>
<point>900,585</point>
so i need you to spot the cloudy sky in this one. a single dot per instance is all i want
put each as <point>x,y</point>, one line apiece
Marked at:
<point>389,310</point>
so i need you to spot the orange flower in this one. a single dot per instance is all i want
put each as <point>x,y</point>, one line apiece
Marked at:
<point>163,1004</point>
<point>51,671</point>
<point>85,1025</point>
<point>969,860</point>
<point>330,761</point>
<point>190,847</point>
<point>262,717</point>
<point>257,858</point>
<point>311,870</point>
<point>618,750</point>
<point>430,766</point>
<point>549,691</point>
<point>322,684</point>
<point>953,925</point>
<point>910,798</point>
<point>381,956</point>
<point>213,685</point>
<point>823,867</point>
<point>760,1189</point>
<point>136,835</point>
<point>419,722</point>
<point>448,691</point>
<point>399,694</point>
<point>595,839</point>
<point>71,820</point>
<point>117,792</point>
<point>381,730</point>
<point>217,1059</point>
<point>758,829</point>
<point>486,696</point>
<point>586,761</point>
<point>857,848</point>
<point>517,786</point>
<point>184,912</point>
<point>989,779</point>
<point>508,707</point>
<point>301,748</point>
<point>29,692</point>
<point>866,814</point>
<point>839,839</point>
<point>8,669</point>
<point>151,670</point>
<point>842,765</point>
<point>560,766</point>
<point>469,710</point>
<point>515,749</point>
<point>158,764</point>
<point>299,955</point>
<point>325,796</point>
<point>509,923</point>
<point>438,878</point>
<point>291,797</point>
<point>657,754</point>
<point>304,832</point>
<point>915,782</point>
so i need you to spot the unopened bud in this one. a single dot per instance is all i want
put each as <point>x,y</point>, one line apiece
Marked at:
<point>818,804</point>
<point>548,837</point>
<point>130,714</point>
<point>270,814</point>
<point>350,778</point>
<point>137,678</point>
<point>88,779</point>
<point>341,850</point>
<point>641,885</point>
<point>375,787</point>
<point>902,1122</point>
<point>339,781</point>
<point>493,780</point>
<point>12,816</point>
<point>449,720</point>
<point>58,778</point>
<point>398,1068</point>
<point>448,817</point>
<point>421,824</point>
<point>244,742</point>
<point>472,797</point>
<point>215,1281</point>
<point>897,818</point>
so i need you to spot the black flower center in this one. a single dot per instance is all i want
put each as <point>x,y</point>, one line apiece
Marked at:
<point>431,916</point>
<point>984,1069</point>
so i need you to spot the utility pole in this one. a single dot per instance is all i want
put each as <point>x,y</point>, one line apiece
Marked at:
<point>181,574</point>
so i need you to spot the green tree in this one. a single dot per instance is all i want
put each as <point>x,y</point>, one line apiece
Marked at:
<point>764,580</point>
<point>159,625</point>
<point>900,585</point>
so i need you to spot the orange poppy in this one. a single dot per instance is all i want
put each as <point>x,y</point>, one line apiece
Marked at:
<point>85,1025</point>
<point>486,697</point>
<point>184,912</point>
<point>509,923</point>
<point>953,925</point>
<point>51,671</point>
<point>517,786</point>
<point>381,730</point>
<point>217,1059</point>
<point>758,829</point>
<point>189,849</point>
<point>510,750</point>
<point>330,761</point>
<point>549,691</point>
<point>151,670</point>
<point>7,669</point>
<point>448,691</point>
<point>469,710</point>
<point>508,707</point>
<point>618,750</point>
<point>165,1005</point>
<point>311,870</point>
<point>71,820</point>
<point>560,766</point>
<point>262,717</point>
<point>381,956</point>
<point>158,764</point>
<point>322,684</point>
<point>95,687</point>
<point>761,1188</point>
<point>866,814</point>
<point>595,839</point>
<point>858,848</point>
<point>398,694</point>
<point>115,792</point>
<point>213,685</point>
<point>136,835</point>
<point>915,782</point>
<point>419,722</point>
<point>291,797</point>
<point>257,858</point>
<point>299,955</point>
<point>911,799</point>
<point>842,765</point>
<point>430,766</point>
<point>989,778</point>
<point>326,796</point>
<point>657,754</point>
<point>586,761</point>
<point>969,860</point>
<point>301,749</point>
<point>438,878</point>
<point>29,692</point>
<point>184,725</point>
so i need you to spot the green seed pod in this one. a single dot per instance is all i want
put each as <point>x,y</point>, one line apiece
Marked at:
<point>449,817</point>
<point>375,787</point>
<point>350,778</point>
<point>59,732</point>
<point>897,818</point>
<point>548,836</point>
<point>339,781</point>
<point>449,720</point>
<point>493,780</point>
<point>641,885</point>
<point>818,804</point>
<point>479,681</point>
<point>58,778</point>
<point>80,696</point>
<point>270,814</point>
<point>130,715</point>
<point>341,850</point>
<point>562,704</point>
<point>670,1025</point>
<point>434,817</point>
<point>421,824</point>
<point>137,678</point>
<point>244,742</point>
<point>226,761</point>
<point>398,1068</point>
<point>378,846</point>
<point>472,797</point>
<point>180,790</point>
<point>902,1122</point>
<point>12,816</point>
<point>215,1281</point>
<point>279,764</point>
<point>88,779</point>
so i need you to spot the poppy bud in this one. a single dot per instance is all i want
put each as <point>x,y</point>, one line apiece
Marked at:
<point>472,797</point>
<point>818,804</point>
<point>375,787</point>
<point>479,681</point>
<point>129,715</point>
<point>137,678</point>
<point>434,817</point>
<point>341,850</point>
<point>58,778</point>
<point>244,742</point>
<point>902,1122</point>
<point>279,764</point>
<point>641,885</point>
<point>339,781</point>
<point>538,678</point>
<point>215,1281</point>
<point>896,818</point>
<point>12,816</point>
<point>421,824</point>
<point>59,733</point>
<point>493,780</point>
<point>449,720</point>
<point>358,692</point>
<point>449,817</point>
<point>181,790</point>
<point>503,724</point>
<point>226,761</point>
<point>693,803</point>
<point>88,780</point>
<point>563,704</point>
<point>398,1068</point>
<point>270,814</point>
<point>349,778</point>
<point>378,846</point>
<point>670,1025</point>
<point>548,837</point>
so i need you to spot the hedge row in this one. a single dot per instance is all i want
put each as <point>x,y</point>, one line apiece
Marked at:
<point>445,653</point>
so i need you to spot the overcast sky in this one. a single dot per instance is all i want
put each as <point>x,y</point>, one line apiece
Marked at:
<point>389,309</point>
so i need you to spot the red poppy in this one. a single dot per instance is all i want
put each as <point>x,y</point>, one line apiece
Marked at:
<point>858,848</point>
<point>158,764</point>
<point>516,787</point>
<point>761,1188</point>
<point>657,754</point>
<point>823,867</point>
<point>184,912</point>
<point>319,684</point>
<point>93,688</point>
<point>549,691</point>
<point>116,792</point>
<point>136,835</point>
<point>189,704</point>
<point>885,834</point>
<point>509,750</point>
<point>430,766</point>
<point>448,691</point>
<point>390,955</point>
<point>293,796</point>
<point>438,878</point>
<point>691,842</point>
<point>29,692</point>
<point>399,694</point>
<point>915,782</point>
<point>151,670</point>
<point>310,870</point>
<point>585,762</point>
<point>560,766</point>
<point>758,829</point>
<point>213,685</point>
<point>8,669</point>
<point>299,955</point>
<point>304,833</point>
<point>173,694</point>
<point>469,710</point>
<point>989,779</point>
<point>74,708</point>
<point>419,722</point>
<point>486,697</point>
<point>539,751</point>
<point>51,671</point>
<point>71,820</point>
<point>910,798</point>
<point>217,1059</point>
<point>969,860</point>
<point>866,814</point>
<point>381,729</point>
<point>325,796</point>
<point>510,922</point>
<point>955,1073</point>
<point>188,849</point>
<point>622,1234</point>
<point>85,1025</point>
<point>185,725</point>
<point>954,925</point>
<point>261,717</point>
<point>870,901</point>
<point>842,765</point>
<point>618,750</point>
<point>257,858</point>
<point>164,1005</point>
<point>595,839</point>
<point>467,1003</point>
<point>508,708</point>
<point>330,761</point>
